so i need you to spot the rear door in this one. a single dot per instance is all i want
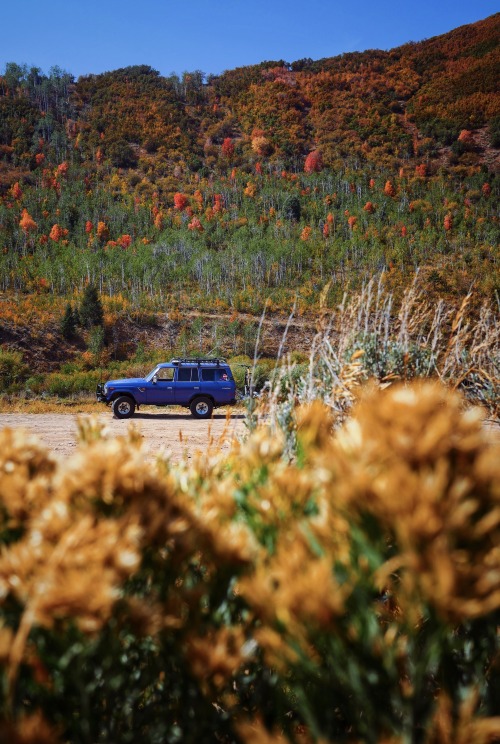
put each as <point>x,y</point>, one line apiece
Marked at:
<point>219,384</point>
<point>187,384</point>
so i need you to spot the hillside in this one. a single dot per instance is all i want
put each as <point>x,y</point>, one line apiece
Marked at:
<point>261,185</point>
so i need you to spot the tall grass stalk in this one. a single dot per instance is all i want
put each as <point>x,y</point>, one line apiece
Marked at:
<point>367,338</point>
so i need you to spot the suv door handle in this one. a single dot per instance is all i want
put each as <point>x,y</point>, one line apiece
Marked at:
<point>196,387</point>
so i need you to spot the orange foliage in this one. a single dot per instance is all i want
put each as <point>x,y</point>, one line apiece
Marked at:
<point>352,221</point>
<point>260,145</point>
<point>306,233</point>
<point>448,222</point>
<point>389,189</point>
<point>88,226</point>
<point>369,207</point>
<point>57,232</point>
<point>195,224</point>
<point>39,158</point>
<point>16,191</point>
<point>218,205</point>
<point>102,230</point>
<point>486,189</point>
<point>27,223</point>
<point>198,198</point>
<point>250,189</point>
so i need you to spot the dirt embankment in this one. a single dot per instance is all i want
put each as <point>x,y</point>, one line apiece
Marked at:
<point>176,435</point>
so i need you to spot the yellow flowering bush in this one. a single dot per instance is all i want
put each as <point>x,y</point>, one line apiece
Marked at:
<point>350,593</point>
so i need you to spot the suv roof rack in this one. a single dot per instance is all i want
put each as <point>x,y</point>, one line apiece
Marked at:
<point>187,360</point>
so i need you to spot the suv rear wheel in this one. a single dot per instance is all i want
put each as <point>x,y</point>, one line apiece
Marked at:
<point>201,407</point>
<point>123,407</point>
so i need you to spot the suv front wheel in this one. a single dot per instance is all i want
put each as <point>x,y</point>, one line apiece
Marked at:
<point>123,407</point>
<point>201,407</point>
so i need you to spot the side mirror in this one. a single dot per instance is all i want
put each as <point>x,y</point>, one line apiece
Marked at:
<point>155,379</point>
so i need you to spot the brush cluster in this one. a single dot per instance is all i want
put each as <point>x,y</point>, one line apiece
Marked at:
<point>348,593</point>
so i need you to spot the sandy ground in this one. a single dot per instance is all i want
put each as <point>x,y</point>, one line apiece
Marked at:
<point>175,434</point>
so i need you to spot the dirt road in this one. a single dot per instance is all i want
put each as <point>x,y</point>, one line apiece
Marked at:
<point>178,435</point>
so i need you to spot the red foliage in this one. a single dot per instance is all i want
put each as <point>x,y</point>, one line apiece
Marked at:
<point>124,241</point>
<point>88,226</point>
<point>448,222</point>
<point>486,189</point>
<point>227,148</point>
<point>195,224</point>
<point>180,201</point>
<point>313,162</point>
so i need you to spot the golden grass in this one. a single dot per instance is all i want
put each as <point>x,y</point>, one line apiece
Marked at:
<point>14,404</point>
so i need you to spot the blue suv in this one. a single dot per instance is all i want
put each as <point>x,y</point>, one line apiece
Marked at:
<point>198,384</point>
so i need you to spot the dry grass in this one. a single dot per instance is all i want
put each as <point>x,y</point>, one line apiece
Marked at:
<point>16,404</point>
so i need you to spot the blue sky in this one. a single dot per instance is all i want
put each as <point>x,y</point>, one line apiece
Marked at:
<point>86,36</point>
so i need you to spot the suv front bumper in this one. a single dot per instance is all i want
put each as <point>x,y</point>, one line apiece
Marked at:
<point>99,393</point>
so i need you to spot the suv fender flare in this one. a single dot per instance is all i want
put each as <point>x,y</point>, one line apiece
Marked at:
<point>119,394</point>
<point>201,394</point>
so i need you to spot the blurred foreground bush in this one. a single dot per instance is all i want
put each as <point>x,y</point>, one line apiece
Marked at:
<point>350,594</point>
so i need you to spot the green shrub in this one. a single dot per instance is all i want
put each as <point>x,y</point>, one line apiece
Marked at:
<point>13,370</point>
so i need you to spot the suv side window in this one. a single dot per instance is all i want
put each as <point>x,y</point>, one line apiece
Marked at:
<point>187,374</point>
<point>166,374</point>
<point>208,375</point>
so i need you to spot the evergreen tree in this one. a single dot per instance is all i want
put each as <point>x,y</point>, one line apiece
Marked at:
<point>91,312</point>
<point>69,322</point>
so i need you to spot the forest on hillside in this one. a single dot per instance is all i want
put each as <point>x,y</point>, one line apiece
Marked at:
<point>273,186</point>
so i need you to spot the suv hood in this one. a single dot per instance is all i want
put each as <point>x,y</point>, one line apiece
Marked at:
<point>126,382</point>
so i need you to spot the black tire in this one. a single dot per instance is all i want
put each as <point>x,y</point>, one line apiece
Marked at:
<point>202,407</point>
<point>123,407</point>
